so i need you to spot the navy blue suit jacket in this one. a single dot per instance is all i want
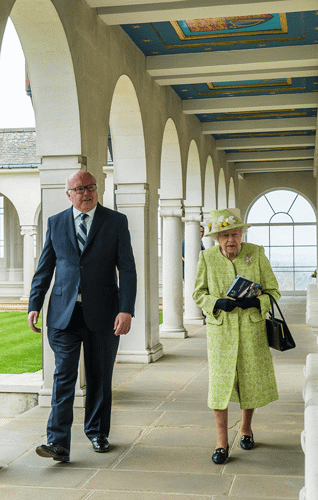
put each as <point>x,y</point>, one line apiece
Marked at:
<point>107,248</point>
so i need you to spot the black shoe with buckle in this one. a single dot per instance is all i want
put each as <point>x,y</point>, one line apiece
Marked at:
<point>220,455</point>
<point>247,442</point>
<point>55,451</point>
<point>100,444</point>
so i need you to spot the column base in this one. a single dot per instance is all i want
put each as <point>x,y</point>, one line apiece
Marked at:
<point>194,321</point>
<point>168,332</point>
<point>146,356</point>
<point>45,397</point>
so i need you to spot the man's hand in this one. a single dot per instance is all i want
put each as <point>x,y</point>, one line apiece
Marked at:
<point>122,323</point>
<point>32,320</point>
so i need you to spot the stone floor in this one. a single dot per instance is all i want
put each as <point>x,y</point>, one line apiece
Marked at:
<point>163,435</point>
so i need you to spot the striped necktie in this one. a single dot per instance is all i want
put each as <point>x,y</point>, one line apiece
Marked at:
<point>82,232</point>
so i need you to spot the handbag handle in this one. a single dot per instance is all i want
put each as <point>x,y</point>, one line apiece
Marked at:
<point>273,301</point>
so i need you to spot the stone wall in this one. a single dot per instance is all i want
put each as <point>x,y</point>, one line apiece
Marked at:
<point>18,148</point>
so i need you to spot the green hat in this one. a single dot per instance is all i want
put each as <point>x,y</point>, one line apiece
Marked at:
<point>223,220</point>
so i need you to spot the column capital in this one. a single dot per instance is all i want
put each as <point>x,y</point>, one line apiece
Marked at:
<point>132,195</point>
<point>192,214</point>
<point>29,230</point>
<point>171,208</point>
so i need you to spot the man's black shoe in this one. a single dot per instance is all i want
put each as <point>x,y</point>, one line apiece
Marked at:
<point>55,451</point>
<point>100,444</point>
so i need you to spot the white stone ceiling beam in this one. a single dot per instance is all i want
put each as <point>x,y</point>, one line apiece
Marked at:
<point>274,166</point>
<point>258,126</point>
<point>310,71</point>
<point>233,61</point>
<point>251,103</point>
<point>145,11</point>
<point>270,156</point>
<point>265,142</point>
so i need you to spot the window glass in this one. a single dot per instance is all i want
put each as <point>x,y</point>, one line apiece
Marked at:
<point>281,256</point>
<point>281,218</point>
<point>305,235</point>
<point>258,235</point>
<point>302,211</point>
<point>281,236</point>
<point>285,280</point>
<point>291,248</point>
<point>306,256</point>
<point>260,211</point>
<point>281,200</point>
<point>303,279</point>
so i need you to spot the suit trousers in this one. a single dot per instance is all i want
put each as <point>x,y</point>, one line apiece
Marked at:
<point>100,349</point>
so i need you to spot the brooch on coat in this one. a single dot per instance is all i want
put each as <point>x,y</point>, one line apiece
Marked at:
<point>249,259</point>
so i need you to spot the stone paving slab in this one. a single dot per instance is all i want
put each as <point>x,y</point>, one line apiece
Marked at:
<point>51,474</point>
<point>45,493</point>
<point>139,495</point>
<point>163,435</point>
<point>165,482</point>
<point>261,487</point>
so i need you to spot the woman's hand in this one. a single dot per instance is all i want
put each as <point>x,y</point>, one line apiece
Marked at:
<point>226,305</point>
<point>250,302</point>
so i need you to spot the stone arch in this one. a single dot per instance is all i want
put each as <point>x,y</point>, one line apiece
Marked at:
<point>11,265</point>
<point>232,202</point>
<point>127,134</point>
<point>193,177</point>
<point>222,201</point>
<point>171,167</point>
<point>22,189</point>
<point>209,187</point>
<point>52,77</point>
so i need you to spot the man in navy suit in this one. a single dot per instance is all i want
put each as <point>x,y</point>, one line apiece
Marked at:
<point>85,245</point>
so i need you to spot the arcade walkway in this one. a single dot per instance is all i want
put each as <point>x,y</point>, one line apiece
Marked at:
<point>163,435</point>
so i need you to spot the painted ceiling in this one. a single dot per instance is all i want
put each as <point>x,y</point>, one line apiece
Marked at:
<point>240,33</point>
<point>249,76</point>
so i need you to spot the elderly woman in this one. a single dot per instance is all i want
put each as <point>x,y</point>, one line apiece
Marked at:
<point>240,362</point>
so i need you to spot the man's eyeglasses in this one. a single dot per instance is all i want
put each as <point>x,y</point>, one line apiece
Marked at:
<point>81,189</point>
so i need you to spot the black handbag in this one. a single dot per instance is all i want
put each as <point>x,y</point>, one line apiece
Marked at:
<point>278,334</point>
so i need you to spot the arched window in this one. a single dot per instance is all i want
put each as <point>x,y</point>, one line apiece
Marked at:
<point>284,222</point>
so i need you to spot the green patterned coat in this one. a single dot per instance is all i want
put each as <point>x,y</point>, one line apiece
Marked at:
<point>240,362</point>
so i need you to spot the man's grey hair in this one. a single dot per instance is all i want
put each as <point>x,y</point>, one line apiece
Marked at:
<point>70,177</point>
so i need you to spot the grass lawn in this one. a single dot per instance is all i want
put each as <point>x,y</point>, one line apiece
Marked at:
<point>20,348</point>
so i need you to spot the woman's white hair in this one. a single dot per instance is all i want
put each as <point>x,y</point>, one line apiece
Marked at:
<point>70,177</point>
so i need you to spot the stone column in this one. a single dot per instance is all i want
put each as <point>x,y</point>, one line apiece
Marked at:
<point>172,285</point>
<point>142,344</point>
<point>53,173</point>
<point>192,248</point>
<point>28,233</point>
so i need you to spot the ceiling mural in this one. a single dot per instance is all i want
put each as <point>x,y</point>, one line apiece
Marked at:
<point>290,128</point>
<point>269,30</point>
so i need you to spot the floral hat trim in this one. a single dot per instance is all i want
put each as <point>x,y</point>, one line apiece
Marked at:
<point>225,221</point>
<point>222,222</point>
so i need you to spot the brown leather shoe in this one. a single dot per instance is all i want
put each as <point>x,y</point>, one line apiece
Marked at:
<point>100,444</point>
<point>55,451</point>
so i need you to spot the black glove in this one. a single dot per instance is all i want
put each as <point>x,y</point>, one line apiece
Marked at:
<point>226,305</point>
<point>249,302</point>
